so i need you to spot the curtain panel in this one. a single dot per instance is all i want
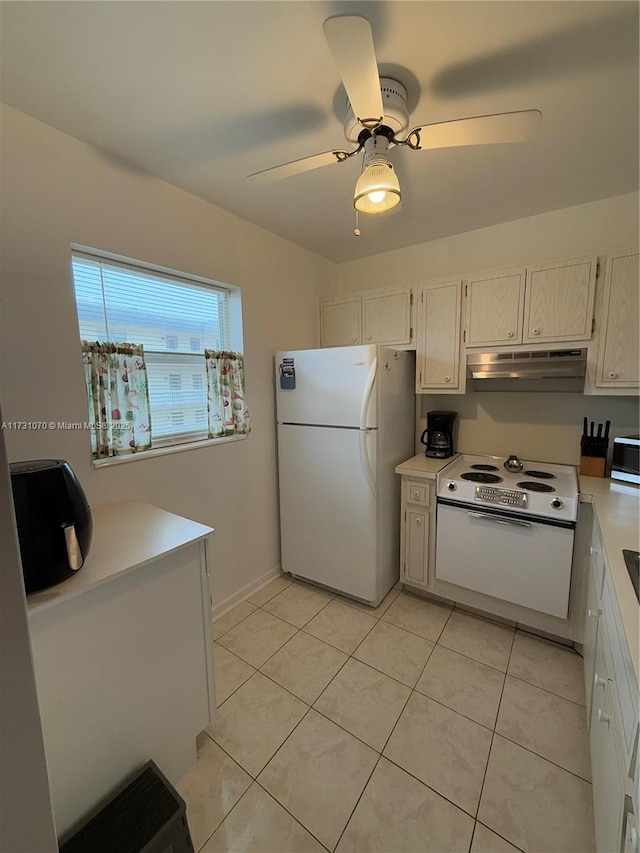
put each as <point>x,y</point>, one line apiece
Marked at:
<point>118,392</point>
<point>228,413</point>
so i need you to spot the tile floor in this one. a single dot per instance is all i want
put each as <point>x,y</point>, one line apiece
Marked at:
<point>411,727</point>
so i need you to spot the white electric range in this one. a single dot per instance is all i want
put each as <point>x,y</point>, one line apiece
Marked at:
<point>508,534</point>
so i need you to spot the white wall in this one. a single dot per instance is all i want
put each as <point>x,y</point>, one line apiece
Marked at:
<point>543,427</point>
<point>57,190</point>
<point>584,229</point>
<point>538,426</point>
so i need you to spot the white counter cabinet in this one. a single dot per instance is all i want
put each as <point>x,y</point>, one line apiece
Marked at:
<point>611,665</point>
<point>123,657</point>
<point>418,519</point>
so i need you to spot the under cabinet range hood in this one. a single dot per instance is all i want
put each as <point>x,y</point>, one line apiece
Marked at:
<point>539,370</point>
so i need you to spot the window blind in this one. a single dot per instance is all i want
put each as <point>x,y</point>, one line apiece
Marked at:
<point>175,319</point>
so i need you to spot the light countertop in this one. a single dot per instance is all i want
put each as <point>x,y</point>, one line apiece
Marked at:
<point>126,536</point>
<point>423,466</point>
<point>617,507</point>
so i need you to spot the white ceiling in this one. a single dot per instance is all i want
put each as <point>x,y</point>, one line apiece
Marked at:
<point>202,94</point>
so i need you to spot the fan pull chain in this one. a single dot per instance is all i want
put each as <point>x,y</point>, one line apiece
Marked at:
<point>356,230</point>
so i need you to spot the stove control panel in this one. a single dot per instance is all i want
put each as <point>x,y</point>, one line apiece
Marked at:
<point>506,497</point>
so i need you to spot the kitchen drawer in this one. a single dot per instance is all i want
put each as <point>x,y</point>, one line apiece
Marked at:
<point>417,493</point>
<point>626,700</point>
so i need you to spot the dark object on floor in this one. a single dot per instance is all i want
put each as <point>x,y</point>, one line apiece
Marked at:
<point>632,562</point>
<point>144,815</point>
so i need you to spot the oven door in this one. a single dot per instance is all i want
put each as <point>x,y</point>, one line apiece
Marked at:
<point>513,558</point>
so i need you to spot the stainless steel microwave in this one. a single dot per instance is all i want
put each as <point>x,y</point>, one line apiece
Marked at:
<point>625,462</point>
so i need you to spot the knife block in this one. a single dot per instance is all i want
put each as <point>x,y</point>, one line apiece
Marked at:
<point>592,466</point>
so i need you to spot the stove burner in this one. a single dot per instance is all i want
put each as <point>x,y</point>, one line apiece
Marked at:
<point>535,487</point>
<point>481,477</point>
<point>541,475</point>
<point>481,467</point>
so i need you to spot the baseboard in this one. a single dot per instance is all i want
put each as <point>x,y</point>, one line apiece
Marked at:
<point>229,603</point>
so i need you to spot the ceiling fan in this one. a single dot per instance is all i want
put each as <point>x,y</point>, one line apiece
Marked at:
<point>378,119</point>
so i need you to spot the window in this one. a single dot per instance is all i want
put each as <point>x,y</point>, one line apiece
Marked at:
<point>168,314</point>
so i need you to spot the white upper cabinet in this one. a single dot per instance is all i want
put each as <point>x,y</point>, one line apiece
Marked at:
<point>374,317</point>
<point>386,317</point>
<point>559,301</point>
<point>545,303</point>
<point>438,347</point>
<point>340,322</point>
<point>494,308</point>
<point>618,362</point>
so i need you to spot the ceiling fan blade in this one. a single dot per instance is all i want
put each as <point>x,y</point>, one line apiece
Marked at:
<point>481,130</point>
<point>351,43</point>
<point>295,167</point>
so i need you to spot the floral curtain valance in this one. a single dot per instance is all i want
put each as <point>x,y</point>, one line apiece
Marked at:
<point>228,413</point>
<point>116,377</point>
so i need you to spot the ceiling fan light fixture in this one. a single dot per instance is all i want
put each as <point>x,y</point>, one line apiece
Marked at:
<point>377,189</point>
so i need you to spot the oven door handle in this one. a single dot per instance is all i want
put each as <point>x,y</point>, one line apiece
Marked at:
<point>499,520</point>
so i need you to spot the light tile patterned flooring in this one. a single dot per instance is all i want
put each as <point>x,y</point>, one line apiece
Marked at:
<point>410,728</point>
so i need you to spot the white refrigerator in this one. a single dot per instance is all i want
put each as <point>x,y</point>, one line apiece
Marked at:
<point>346,418</point>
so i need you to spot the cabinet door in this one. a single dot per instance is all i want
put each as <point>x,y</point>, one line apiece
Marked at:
<point>494,309</point>
<point>340,323</point>
<point>618,362</point>
<point>590,632</point>
<point>559,301</point>
<point>607,774</point>
<point>416,542</point>
<point>387,318</point>
<point>438,346</point>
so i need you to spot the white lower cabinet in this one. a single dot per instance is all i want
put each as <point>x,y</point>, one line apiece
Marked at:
<point>607,772</point>
<point>612,708</point>
<point>418,503</point>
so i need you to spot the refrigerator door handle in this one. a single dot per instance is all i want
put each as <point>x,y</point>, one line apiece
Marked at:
<point>366,461</point>
<point>366,397</point>
<point>364,430</point>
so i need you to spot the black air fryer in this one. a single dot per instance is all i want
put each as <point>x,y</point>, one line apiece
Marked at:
<point>53,520</point>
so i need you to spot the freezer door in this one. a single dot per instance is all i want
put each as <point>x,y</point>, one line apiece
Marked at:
<point>333,387</point>
<point>328,507</point>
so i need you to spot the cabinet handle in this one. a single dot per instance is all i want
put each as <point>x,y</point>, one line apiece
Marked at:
<point>633,839</point>
<point>592,614</point>
<point>604,718</point>
<point>416,494</point>
<point>593,551</point>
<point>369,337</point>
<point>598,681</point>
<point>418,521</point>
<point>509,334</point>
<point>536,331</point>
<point>354,340</point>
<point>613,375</point>
<point>447,379</point>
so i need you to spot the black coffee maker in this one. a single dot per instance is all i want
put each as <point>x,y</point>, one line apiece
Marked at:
<point>438,436</point>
